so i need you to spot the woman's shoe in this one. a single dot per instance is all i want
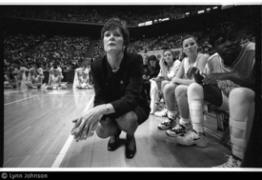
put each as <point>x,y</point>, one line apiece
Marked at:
<point>114,142</point>
<point>130,147</point>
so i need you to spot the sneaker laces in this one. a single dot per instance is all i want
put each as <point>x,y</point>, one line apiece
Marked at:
<point>176,130</point>
<point>166,122</point>
<point>174,117</point>
<point>189,136</point>
<point>179,129</point>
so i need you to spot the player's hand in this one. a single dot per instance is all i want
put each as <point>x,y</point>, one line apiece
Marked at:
<point>210,79</point>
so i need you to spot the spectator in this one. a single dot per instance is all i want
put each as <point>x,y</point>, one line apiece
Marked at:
<point>168,69</point>
<point>151,70</point>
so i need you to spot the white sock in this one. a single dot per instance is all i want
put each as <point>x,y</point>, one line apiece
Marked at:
<point>184,121</point>
<point>171,114</point>
<point>196,114</point>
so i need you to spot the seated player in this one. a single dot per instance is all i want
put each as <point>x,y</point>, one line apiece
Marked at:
<point>55,78</point>
<point>237,66</point>
<point>82,76</point>
<point>37,76</point>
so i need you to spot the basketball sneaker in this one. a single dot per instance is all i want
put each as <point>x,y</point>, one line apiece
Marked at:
<point>162,113</point>
<point>232,162</point>
<point>179,129</point>
<point>192,138</point>
<point>168,123</point>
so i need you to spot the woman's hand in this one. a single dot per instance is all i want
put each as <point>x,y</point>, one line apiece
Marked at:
<point>86,125</point>
<point>156,79</point>
<point>174,80</point>
<point>145,77</point>
<point>191,72</point>
<point>159,78</point>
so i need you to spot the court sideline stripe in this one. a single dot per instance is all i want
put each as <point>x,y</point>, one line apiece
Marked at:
<point>20,100</point>
<point>63,151</point>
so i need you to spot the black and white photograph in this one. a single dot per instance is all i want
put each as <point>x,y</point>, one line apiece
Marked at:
<point>131,86</point>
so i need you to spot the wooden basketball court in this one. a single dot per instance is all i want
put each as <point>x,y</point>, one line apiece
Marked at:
<point>37,127</point>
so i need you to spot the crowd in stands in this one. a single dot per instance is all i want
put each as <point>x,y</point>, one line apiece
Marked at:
<point>133,15</point>
<point>33,48</point>
<point>173,41</point>
<point>68,52</point>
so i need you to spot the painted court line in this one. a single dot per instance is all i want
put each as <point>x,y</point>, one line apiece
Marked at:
<point>61,95</point>
<point>20,100</point>
<point>63,151</point>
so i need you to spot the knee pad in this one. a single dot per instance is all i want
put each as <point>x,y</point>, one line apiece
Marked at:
<point>241,93</point>
<point>195,91</point>
<point>238,143</point>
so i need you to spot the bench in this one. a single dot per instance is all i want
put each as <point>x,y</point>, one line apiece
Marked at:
<point>222,123</point>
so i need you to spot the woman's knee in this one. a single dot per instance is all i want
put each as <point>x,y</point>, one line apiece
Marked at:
<point>128,122</point>
<point>153,86</point>
<point>106,128</point>
<point>180,91</point>
<point>169,88</point>
<point>101,132</point>
<point>242,94</point>
<point>195,90</point>
<point>164,84</point>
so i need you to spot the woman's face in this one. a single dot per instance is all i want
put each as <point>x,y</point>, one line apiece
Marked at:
<point>145,60</point>
<point>152,63</point>
<point>190,46</point>
<point>168,57</point>
<point>56,72</point>
<point>113,40</point>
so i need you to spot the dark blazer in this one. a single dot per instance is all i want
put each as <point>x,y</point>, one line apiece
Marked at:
<point>124,88</point>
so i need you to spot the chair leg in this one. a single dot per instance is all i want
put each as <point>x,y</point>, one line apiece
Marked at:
<point>220,121</point>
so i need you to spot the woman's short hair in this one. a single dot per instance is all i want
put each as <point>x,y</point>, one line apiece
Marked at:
<point>114,23</point>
